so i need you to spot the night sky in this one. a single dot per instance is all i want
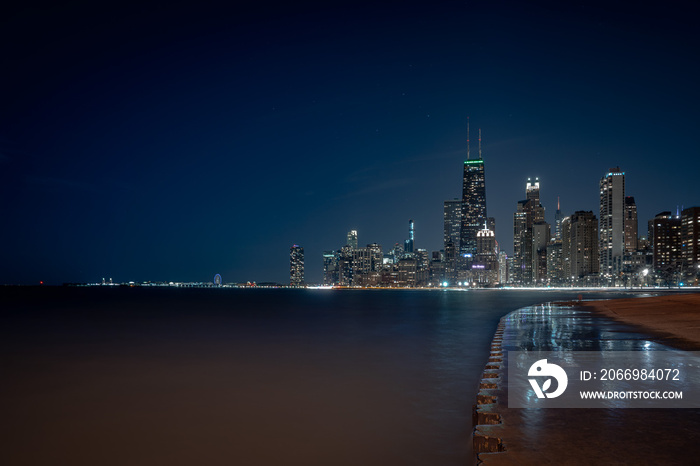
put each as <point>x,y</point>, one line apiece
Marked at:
<point>176,141</point>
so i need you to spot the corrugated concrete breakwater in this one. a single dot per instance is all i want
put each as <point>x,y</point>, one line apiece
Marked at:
<point>485,410</point>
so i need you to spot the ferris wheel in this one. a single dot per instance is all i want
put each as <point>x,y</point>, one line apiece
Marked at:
<point>217,280</point>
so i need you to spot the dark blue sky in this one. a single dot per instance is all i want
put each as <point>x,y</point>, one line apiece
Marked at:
<point>178,141</point>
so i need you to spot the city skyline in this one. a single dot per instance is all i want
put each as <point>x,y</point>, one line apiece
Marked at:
<point>209,141</point>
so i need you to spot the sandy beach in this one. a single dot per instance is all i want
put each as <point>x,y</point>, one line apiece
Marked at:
<point>674,319</point>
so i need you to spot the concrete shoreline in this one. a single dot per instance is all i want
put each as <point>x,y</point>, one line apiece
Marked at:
<point>505,436</point>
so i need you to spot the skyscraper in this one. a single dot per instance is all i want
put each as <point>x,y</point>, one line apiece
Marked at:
<point>557,222</point>
<point>398,252</point>
<point>330,268</point>
<point>630,225</point>
<point>667,243</point>
<point>540,240</point>
<point>296,265</point>
<point>522,238</point>
<point>345,265</point>
<point>555,272</point>
<point>530,238</point>
<point>690,239</point>
<point>532,191</point>
<point>612,224</point>
<point>408,244</point>
<point>473,201</point>
<point>485,266</point>
<point>352,239</point>
<point>452,222</point>
<point>503,268</point>
<point>580,256</point>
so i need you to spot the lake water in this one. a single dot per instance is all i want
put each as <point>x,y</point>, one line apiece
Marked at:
<point>257,377</point>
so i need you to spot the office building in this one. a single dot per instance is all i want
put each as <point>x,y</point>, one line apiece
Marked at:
<point>532,191</point>
<point>473,201</point>
<point>485,264</point>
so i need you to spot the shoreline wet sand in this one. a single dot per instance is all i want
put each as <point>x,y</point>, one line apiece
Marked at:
<point>508,436</point>
<point>671,319</point>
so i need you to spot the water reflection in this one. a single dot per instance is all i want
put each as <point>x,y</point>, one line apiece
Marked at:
<point>603,435</point>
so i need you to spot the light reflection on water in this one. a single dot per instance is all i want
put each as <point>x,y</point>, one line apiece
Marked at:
<point>605,435</point>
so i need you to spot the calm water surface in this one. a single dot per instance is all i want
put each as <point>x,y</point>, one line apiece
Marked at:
<point>257,377</point>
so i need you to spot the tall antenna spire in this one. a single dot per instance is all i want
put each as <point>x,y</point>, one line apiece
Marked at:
<point>558,203</point>
<point>479,142</point>
<point>467,138</point>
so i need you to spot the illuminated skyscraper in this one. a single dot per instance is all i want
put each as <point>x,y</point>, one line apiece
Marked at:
<point>555,274</point>
<point>530,238</point>
<point>352,239</point>
<point>612,224</point>
<point>473,201</point>
<point>398,252</point>
<point>580,248</point>
<point>540,240</point>
<point>557,222</point>
<point>668,256</point>
<point>690,239</point>
<point>408,244</point>
<point>532,191</point>
<point>630,225</point>
<point>452,221</point>
<point>522,239</point>
<point>330,268</point>
<point>296,265</point>
<point>485,265</point>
